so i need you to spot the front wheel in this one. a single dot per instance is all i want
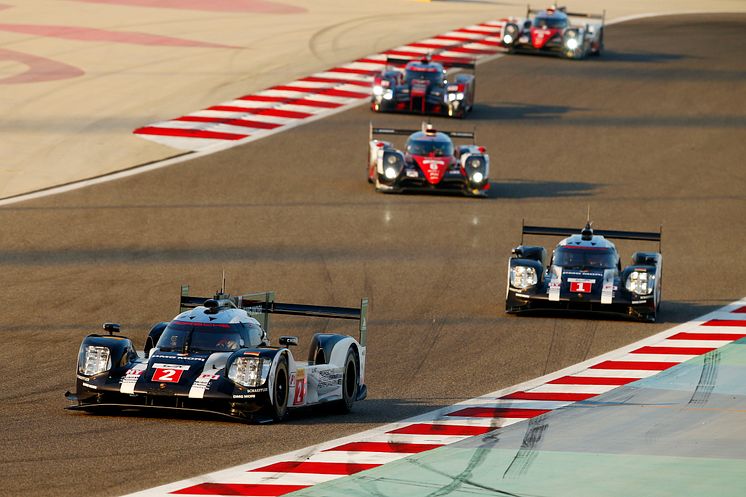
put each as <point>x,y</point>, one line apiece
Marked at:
<point>349,383</point>
<point>279,408</point>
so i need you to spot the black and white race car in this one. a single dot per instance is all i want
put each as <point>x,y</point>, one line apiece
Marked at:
<point>215,356</point>
<point>555,31</point>
<point>585,274</point>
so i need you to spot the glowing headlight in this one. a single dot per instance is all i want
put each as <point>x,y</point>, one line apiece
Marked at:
<point>391,159</point>
<point>475,163</point>
<point>94,359</point>
<point>508,39</point>
<point>639,283</point>
<point>377,90</point>
<point>572,43</point>
<point>249,371</point>
<point>388,95</point>
<point>459,96</point>
<point>390,173</point>
<point>451,97</point>
<point>523,277</point>
<point>477,177</point>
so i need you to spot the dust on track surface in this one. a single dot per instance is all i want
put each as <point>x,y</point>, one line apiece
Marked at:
<point>649,133</point>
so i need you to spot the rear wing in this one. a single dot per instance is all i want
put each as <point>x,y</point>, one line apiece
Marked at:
<point>602,16</point>
<point>448,62</point>
<point>648,236</point>
<point>468,135</point>
<point>261,305</point>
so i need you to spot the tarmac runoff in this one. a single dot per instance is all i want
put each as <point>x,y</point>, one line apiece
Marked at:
<point>681,432</point>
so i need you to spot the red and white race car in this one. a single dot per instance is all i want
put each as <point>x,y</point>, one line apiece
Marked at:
<point>429,161</point>
<point>556,31</point>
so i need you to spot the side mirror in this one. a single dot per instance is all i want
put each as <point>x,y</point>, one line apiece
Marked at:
<point>287,341</point>
<point>111,328</point>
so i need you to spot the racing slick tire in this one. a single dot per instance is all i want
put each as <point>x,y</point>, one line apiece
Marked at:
<point>278,410</point>
<point>349,383</point>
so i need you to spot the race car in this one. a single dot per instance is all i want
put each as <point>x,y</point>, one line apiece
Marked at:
<point>216,357</point>
<point>422,87</point>
<point>555,31</point>
<point>585,274</point>
<point>429,162</point>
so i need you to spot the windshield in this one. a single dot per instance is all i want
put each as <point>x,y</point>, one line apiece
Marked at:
<point>428,147</point>
<point>550,22</point>
<point>180,336</point>
<point>585,257</point>
<point>431,76</point>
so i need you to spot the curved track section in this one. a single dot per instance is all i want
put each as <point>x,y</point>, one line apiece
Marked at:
<point>649,133</point>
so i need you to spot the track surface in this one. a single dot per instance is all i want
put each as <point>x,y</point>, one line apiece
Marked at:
<point>650,133</point>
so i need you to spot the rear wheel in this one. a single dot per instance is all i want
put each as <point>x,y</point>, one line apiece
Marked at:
<point>349,383</point>
<point>279,408</point>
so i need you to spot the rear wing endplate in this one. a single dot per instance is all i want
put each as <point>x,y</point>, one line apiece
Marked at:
<point>261,305</point>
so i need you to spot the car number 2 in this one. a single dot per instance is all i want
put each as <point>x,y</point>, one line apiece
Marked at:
<point>167,375</point>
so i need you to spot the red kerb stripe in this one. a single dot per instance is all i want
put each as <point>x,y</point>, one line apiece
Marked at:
<point>437,429</point>
<point>673,350</point>
<point>591,380</point>
<point>291,101</point>
<point>707,336</point>
<point>253,489</point>
<point>187,133</point>
<point>725,322</point>
<point>290,114</point>
<point>498,412</point>
<point>405,448</point>
<point>317,79</point>
<point>560,396</point>
<point>643,365</point>
<point>322,468</point>
<point>231,121</point>
<point>350,70</point>
<point>740,310</point>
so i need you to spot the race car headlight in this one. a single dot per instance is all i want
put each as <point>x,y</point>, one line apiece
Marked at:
<point>94,359</point>
<point>523,277</point>
<point>377,90</point>
<point>392,159</point>
<point>388,95</point>
<point>475,163</point>
<point>571,43</point>
<point>390,172</point>
<point>508,39</point>
<point>639,283</point>
<point>451,97</point>
<point>248,371</point>
<point>477,177</point>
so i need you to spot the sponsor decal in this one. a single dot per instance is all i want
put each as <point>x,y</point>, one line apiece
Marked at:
<point>88,385</point>
<point>244,396</point>
<point>179,357</point>
<point>131,377</point>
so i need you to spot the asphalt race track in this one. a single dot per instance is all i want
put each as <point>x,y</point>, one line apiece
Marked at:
<point>650,133</point>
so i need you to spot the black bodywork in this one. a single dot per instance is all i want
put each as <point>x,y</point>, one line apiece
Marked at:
<point>593,283</point>
<point>183,367</point>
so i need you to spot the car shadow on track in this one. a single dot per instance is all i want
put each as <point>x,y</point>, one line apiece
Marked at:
<point>522,189</point>
<point>637,57</point>
<point>510,111</point>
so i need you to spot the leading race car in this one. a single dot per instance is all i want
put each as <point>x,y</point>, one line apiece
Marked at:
<point>423,87</point>
<point>585,274</point>
<point>429,161</point>
<point>556,31</point>
<point>215,356</point>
